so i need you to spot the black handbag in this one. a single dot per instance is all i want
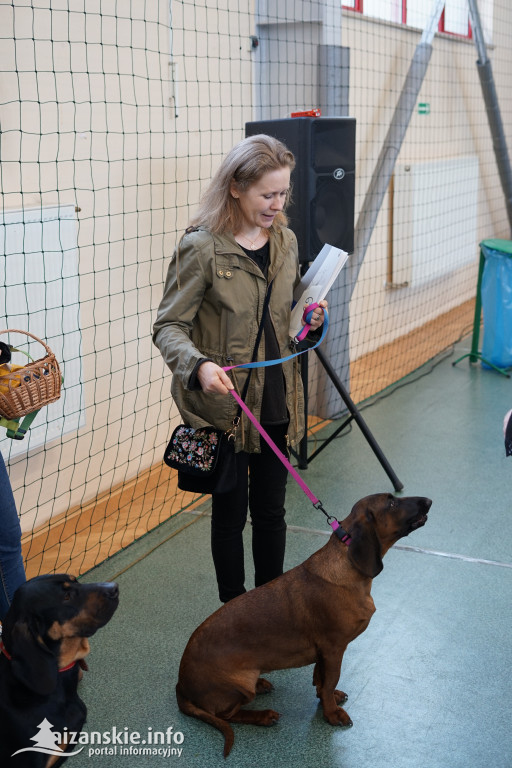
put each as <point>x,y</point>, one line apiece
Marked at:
<point>204,457</point>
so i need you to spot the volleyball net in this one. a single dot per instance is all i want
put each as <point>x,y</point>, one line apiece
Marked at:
<point>115,116</point>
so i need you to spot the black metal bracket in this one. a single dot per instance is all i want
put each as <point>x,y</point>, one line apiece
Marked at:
<point>354,415</point>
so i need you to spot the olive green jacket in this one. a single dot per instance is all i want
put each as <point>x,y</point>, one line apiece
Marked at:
<point>211,308</point>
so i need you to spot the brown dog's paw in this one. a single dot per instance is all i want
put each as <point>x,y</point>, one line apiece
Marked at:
<point>255,717</point>
<point>339,717</point>
<point>340,697</point>
<point>263,686</point>
<point>269,717</point>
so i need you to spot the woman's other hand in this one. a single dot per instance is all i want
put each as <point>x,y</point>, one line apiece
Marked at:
<point>317,318</point>
<point>213,379</point>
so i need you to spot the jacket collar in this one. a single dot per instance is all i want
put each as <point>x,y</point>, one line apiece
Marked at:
<point>279,248</point>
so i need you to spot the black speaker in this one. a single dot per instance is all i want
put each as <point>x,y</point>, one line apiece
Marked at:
<point>323,182</point>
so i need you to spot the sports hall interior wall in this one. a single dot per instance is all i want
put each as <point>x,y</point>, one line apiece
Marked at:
<point>112,124</point>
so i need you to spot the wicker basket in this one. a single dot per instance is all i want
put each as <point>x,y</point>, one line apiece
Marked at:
<point>26,389</point>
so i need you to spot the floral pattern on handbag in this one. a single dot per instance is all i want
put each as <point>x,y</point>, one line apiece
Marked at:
<point>204,457</point>
<point>195,449</point>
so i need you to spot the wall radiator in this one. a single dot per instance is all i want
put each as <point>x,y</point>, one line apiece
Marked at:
<point>434,219</point>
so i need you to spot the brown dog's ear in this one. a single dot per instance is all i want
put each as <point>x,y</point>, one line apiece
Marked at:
<point>364,551</point>
<point>33,664</point>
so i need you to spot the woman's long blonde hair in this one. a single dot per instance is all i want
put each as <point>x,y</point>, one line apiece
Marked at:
<point>244,165</point>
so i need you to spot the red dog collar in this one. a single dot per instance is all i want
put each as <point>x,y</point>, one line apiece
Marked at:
<point>8,656</point>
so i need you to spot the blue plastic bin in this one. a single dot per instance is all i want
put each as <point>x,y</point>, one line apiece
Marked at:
<point>496,296</point>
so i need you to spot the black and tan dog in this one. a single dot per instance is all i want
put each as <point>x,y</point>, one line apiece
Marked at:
<point>306,616</point>
<point>44,641</point>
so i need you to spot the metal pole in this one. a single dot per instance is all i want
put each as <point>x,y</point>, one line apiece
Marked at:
<point>363,426</point>
<point>492,108</point>
<point>392,144</point>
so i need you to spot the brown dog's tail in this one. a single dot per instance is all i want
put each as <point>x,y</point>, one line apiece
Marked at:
<point>223,726</point>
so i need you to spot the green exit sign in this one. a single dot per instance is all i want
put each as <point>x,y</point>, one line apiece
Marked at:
<point>424,108</point>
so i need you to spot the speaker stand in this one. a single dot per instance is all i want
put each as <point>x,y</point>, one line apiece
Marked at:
<point>355,415</point>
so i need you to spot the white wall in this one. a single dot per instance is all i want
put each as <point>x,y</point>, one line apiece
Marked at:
<point>88,121</point>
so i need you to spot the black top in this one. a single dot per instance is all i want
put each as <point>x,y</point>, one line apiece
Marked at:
<point>273,404</point>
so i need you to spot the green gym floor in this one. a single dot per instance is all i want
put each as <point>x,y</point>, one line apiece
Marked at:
<point>429,682</point>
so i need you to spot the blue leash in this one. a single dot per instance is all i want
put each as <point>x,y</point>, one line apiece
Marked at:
<point>307,317</point>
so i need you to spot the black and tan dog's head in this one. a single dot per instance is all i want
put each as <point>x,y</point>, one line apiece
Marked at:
<point>48,625</point>
<point>377,522</point>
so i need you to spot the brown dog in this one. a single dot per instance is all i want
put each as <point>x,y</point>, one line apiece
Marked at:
<point>306,616</point>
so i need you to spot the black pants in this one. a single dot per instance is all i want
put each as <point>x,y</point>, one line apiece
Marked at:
<point>261,488</point>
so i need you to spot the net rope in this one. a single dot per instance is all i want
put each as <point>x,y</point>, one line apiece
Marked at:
<point>114,117</point>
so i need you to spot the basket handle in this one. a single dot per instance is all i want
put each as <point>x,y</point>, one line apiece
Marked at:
<point>36,338</point>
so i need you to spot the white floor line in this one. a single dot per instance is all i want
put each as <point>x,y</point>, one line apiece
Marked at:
<point>453,556</point>
<point>407,548</point>
<point>404,547</point>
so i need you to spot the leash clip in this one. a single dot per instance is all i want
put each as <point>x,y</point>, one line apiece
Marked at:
<point>318,505</point>
<point>234,426</point>
<point>331,520</point>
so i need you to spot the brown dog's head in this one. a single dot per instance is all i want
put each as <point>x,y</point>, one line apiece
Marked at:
<point>377,522</point>
<point>48,623</point>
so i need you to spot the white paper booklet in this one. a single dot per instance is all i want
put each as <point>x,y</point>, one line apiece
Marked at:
<point>315,284</point>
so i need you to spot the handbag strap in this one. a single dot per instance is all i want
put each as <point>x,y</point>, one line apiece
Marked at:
<point>256,343</point>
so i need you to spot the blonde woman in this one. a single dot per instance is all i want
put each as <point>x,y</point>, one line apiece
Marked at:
<point>237,244</point>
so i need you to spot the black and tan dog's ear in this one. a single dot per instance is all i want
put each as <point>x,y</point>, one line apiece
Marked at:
<point>365,552</point>
<point>33,664</point>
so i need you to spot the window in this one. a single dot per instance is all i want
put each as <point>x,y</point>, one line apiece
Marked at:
<point>415,13</point>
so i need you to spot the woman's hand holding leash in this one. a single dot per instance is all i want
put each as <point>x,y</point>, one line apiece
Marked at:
<point>317,316</point>
<point>213,379</point>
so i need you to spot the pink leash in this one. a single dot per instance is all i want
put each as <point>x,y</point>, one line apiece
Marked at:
<point>342,535</point>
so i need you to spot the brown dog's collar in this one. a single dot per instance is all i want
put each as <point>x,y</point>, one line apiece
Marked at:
<point>341,533</point>
<point>8,656</point>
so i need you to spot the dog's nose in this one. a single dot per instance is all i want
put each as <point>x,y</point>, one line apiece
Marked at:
<point>110,589</point>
